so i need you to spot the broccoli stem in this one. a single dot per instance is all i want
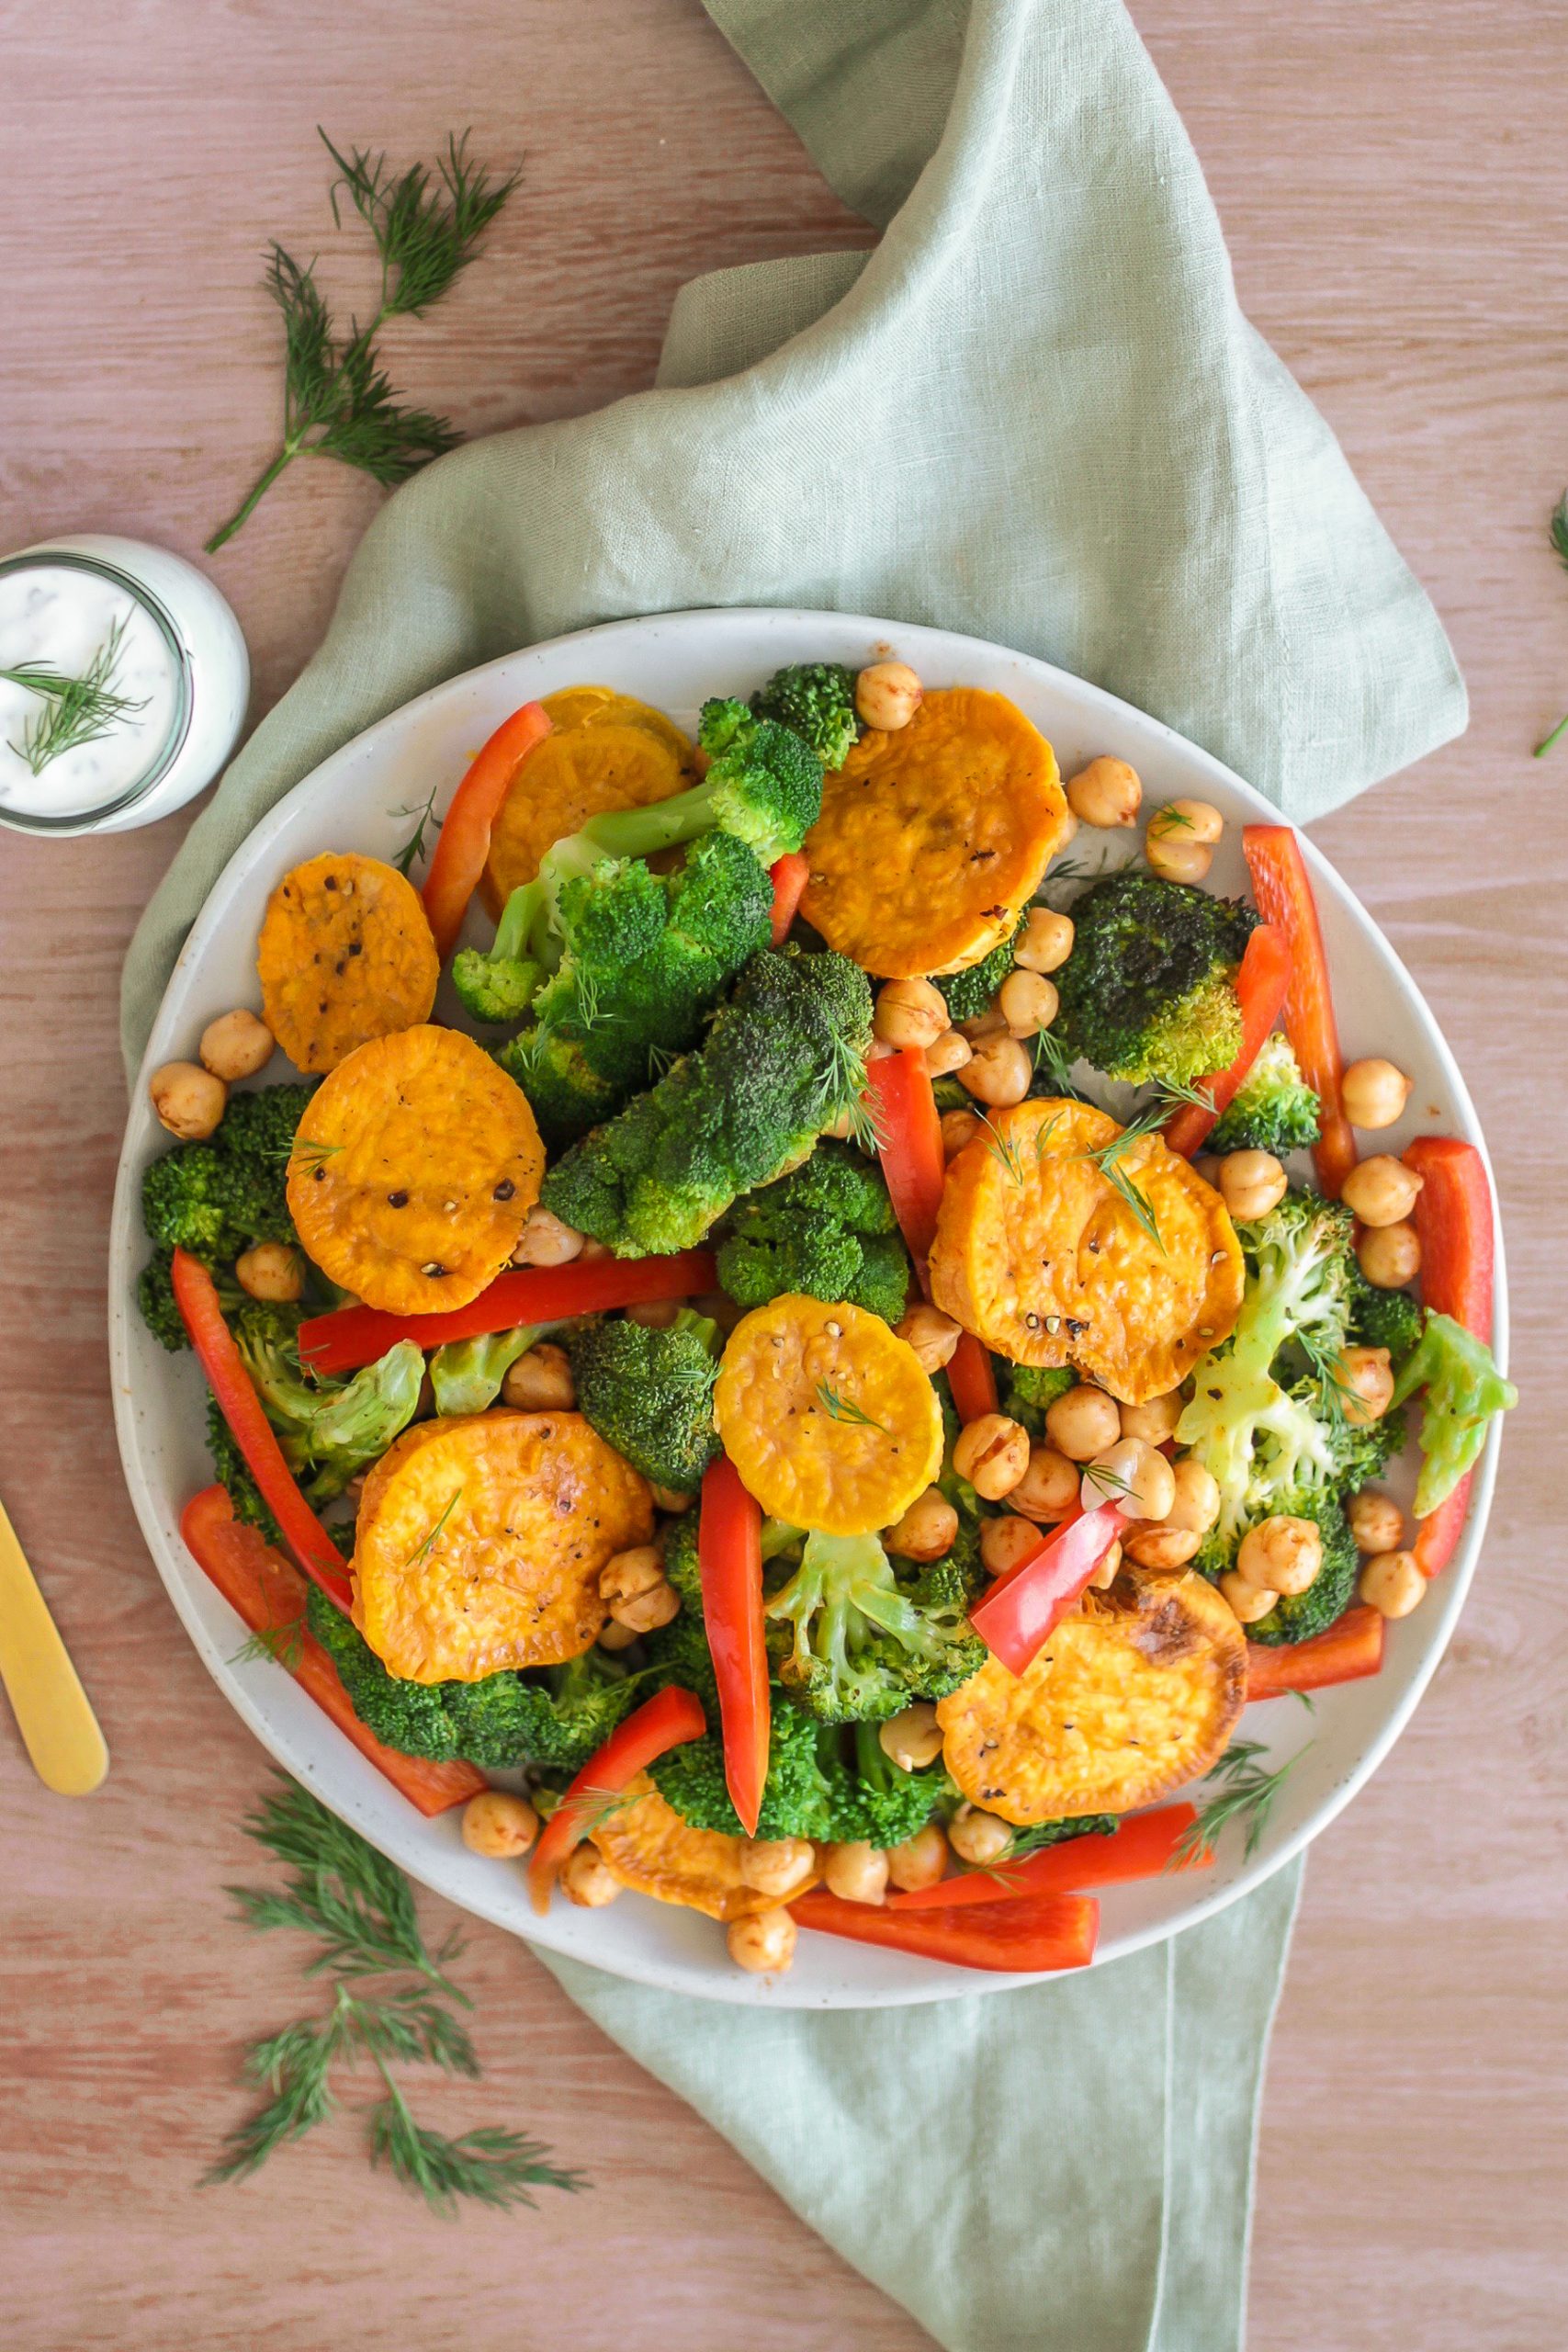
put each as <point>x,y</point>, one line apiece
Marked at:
<point>635,832</point>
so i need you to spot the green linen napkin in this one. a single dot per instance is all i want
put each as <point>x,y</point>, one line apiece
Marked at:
<point>1034,412</point>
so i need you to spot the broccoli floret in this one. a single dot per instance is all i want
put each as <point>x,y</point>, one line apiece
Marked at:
<point>855,1640</point>
<point>1362,1451</point>
<point>816,699</point>
<point>1384,1318</point>
<point>219,1198</point>
<point>1297,1617</point>
<point>649,1394</point>
<point>1148,992</point>
<point>874,1802</point>
<point>826,1231</point>
<point>968,994</point>
<point>1464,1390</point>
<point>499,985</point>
<point>643,958</point>
<point>334,1429</point>
<point>465,1375</point>
<point>1033,1389</point>
<point>232,1473</point>
<point>784,1058</point>
<point>1273,1110</point>
<point>552,1716</point>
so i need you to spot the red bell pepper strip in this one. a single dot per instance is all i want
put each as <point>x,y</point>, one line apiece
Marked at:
<point>358,1335</point>
<point>1348,1652</point>
<point>1454,1219</point>
<point>268,1592</point>
<point>730,1557</point>
<point>1143,1846</point>
<point>196,1296</point>
<point>1023,1607</point>
<point>789,876</point>
<point>972,1378</point>
<point>1260,985</point>
<point>669,1718</point>
<point>1283,891</point>
<point>909,1131</point>
<point>463,843</point>
<point>1034,1933</point>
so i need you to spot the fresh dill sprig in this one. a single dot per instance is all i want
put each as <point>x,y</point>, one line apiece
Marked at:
<point>338,401</point>
<point>423,1551</point>
<point>76,710</point>
<point>839,1408</point>
<point>1557,531</point>
<point>283,1645</point>
<point>414,846</point>
<point>1109,1483</point>
<point>362,1908</point>
<point>1003,1150</point>
<point>1245,1794</point>
<point>1108,1159</point>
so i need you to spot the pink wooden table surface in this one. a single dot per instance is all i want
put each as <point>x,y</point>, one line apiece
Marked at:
<point>1394,177</point>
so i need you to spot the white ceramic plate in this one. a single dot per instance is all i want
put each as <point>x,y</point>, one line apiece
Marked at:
<point>358,799</point>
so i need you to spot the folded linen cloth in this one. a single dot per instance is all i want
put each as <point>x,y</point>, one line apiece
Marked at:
<point>1034,412</point>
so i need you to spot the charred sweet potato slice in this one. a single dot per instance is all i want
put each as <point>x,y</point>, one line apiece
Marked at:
<point>345,954</point>
<point>648,1847</point>
<point>605,751</point>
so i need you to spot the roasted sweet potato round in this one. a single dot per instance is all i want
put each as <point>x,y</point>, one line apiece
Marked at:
<point>345,954</point>
<point>648,1848</point>
<point>605,751</point>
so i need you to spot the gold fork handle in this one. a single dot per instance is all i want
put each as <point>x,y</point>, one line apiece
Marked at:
<point>53,1714</point>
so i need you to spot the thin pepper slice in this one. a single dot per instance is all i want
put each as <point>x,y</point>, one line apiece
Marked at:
<point>1030,1935</point>
<point>908,1142</point>
<point>789,876</point>
<point>1144,1846</point>
<point>196,1296</point>
<point>1350,1651</point>
<point>730,1557</point>
<point>1283,890</point>
<point>268,1592</point>
<point>353,1336</point>
<point>671,1717</point>
<point>463,843</point>
<point>1260,986</point>
<point>1454,1219</point>
<point>1023,1608</point>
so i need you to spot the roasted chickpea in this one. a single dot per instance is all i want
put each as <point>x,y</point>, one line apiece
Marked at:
<point>655,1314</point>
<point>189,1101</point>
<point>1107,792</point>
<point>1006,1539</point>
<point>1376,1521</point>
<point>1045,942</point>
<point>541,1381</point>
<point>1083,1422</point>
<point>928,1529</point>
<point>1108,1571</point>
<point>959,1128</point>
<point>586,1878</point>
<point>1381,1190</point>
<point>1248,1603</point>
<point>913,1737</point>
<point>669,1498</point>
<point>1199,820</point>
<point>1280,1554</point>
<point>1196,1502</point>
<point>1394,1583</point>
<point>1048,1488</point>
<point>855,1872</point>
<point>237,1045</point>
<point>613,1636</point>
<point>591,1250</point>
<point>644,1612</point>
<point>1251,1183</point>
<point>1028,1003</point>
<point>765,1943</point>
<point>1174,855</point>
<point>920,1861</point>
<point>933,1335</point>
<point>981,1025</point>
<point>1207,1165</point>
<point>978,1838</point>
<point>1375,1092</point>
<point>636,1570</point>
<point>719,1307</point>
<point>993,1455</point>
<point>1159,1548</point>
<point>999,1071</point>
<point>271,1271</point>
<point>1389,1255</point>
<point>546,1241</point>
<point>1365,1377</point>
<point>910,1013</point>
<point>887,694</point>
<point>1132,1473</point>
<point>500,1825</point>
<point>1154,1421</point>
<point>947,1055</point>
<point>776,1866</point>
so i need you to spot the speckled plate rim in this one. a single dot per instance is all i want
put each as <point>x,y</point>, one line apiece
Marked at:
<point>364,790</point>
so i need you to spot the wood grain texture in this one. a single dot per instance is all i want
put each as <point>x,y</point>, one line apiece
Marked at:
<point>1394,181</point>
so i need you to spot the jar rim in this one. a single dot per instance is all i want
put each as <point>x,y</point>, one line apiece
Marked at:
<point>45,558</point>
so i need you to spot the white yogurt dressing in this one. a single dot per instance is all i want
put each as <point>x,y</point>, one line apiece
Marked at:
<point>54,614</point>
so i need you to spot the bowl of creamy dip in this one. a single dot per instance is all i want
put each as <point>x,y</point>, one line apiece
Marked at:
<point>123,684</point>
